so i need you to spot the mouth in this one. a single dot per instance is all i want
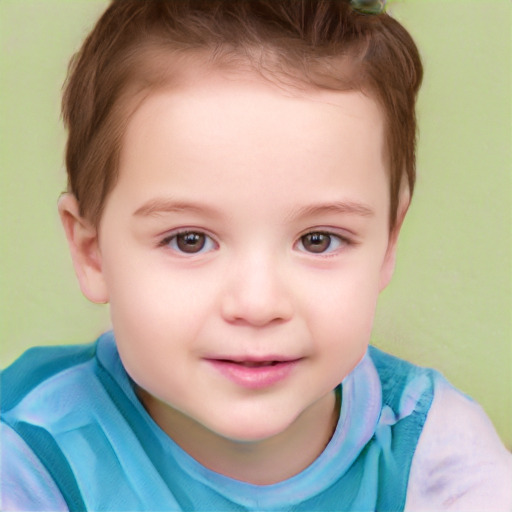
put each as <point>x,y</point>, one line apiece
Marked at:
<point>255,374</point>
<point>255,364</point>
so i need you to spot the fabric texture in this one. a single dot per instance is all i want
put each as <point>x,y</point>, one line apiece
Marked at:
<point>75,437</point>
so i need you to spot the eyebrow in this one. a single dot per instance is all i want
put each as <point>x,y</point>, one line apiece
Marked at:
<point>338,207</point>
<point>166,205</point>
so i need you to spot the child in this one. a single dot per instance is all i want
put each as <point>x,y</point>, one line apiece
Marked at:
<point>238,174</point>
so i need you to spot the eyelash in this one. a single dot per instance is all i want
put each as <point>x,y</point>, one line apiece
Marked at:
<point>172,242</point>
<point>340,242</point>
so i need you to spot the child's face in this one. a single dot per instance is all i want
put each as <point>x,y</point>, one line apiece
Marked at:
<point>243,249</point>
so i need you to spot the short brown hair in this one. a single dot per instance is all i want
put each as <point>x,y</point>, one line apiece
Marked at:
<point>326,44</point>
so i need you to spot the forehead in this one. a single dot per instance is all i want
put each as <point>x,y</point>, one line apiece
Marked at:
<point>242,133</point>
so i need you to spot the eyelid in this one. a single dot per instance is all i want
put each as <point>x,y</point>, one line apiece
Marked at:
<point>344,234</point>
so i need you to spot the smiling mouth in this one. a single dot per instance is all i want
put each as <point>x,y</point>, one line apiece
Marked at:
<point>253,364</point>
<point>255,374</point>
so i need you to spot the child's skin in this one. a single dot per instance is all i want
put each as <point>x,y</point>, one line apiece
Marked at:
<point>251,168</point>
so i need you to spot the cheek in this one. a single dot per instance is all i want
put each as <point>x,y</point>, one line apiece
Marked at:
<point>347,296</point>
<point>347,324</point>
<point>158,314</point>
<point>155,338</point>
<point>340,315</point>
<point>347,334</point>
<point>150,295</point>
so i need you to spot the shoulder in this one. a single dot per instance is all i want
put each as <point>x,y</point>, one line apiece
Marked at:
<point>48,393</point>
<point>25,484</point>
<point>394,371</point>
<point>38,366</point>
<point>460,463</point>
<point>406,387</point>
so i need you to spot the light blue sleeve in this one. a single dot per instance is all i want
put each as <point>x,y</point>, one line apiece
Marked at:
<point>460,463</point>
<point>25,484</point>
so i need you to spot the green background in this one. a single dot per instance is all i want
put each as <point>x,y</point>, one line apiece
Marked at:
<point>449,305</point>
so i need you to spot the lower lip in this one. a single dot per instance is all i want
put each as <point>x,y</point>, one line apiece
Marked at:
<point>254,377</point>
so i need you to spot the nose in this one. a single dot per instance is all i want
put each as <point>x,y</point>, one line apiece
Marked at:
<point>255,293</point>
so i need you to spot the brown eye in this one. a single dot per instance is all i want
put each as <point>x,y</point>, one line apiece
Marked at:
<point>190,242</point>
<point>318,242</point>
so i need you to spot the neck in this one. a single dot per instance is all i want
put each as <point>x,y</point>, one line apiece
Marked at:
<point>262,462</point>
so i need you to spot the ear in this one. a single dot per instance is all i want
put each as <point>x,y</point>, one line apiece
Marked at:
<point>388,265</point>
<point>83,244</point>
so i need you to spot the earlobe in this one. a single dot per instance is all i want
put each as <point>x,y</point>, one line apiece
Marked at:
<point>388,265</point>
<point>82,239</point>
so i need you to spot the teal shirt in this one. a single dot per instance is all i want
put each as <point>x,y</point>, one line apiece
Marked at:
<point>75,436</point>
